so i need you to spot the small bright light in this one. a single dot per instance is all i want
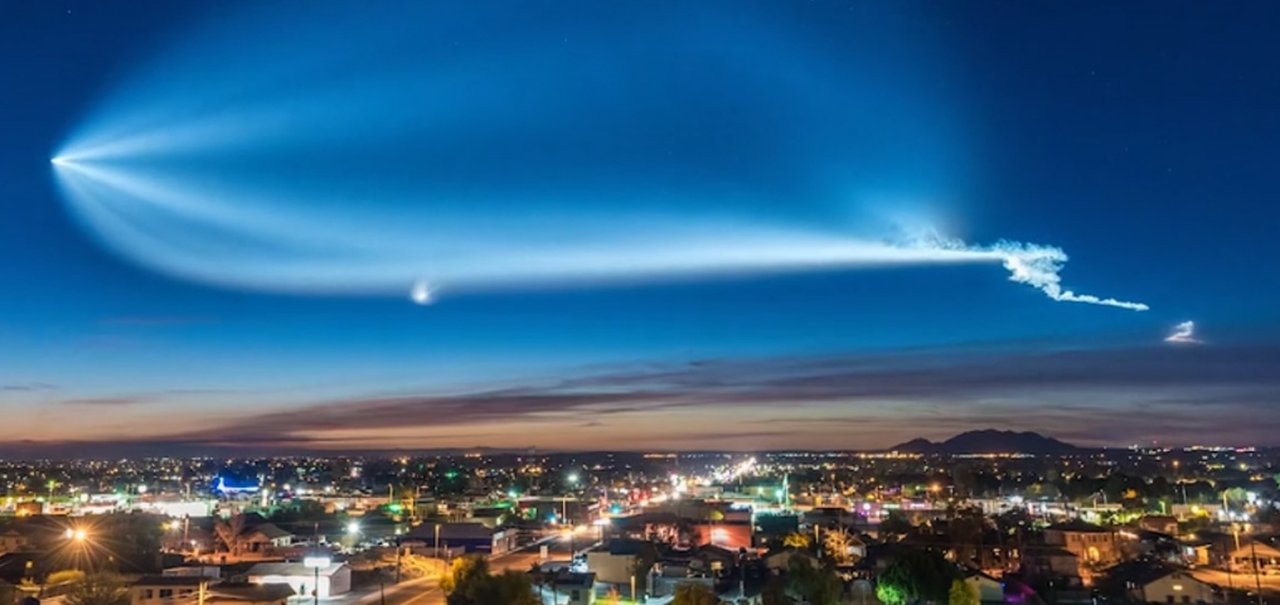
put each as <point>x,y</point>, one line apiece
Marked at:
<point>316,562</point>
<point>573,477</point>
<point>58,160</point>
<point>421,293</point>
<point>79,535</point>
<point>353,527</point>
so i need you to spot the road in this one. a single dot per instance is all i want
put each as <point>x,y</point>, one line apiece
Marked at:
<point>426,591</point>
<point>1241,581</point>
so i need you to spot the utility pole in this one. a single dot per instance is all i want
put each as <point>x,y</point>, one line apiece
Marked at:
<point>1257,578</point>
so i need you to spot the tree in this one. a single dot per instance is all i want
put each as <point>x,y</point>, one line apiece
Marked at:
<point>470,583</point>
<point>896,523</point>
<point>837,543</point>
<point>916,575</point>
<point>464,572</point>
<point>65,576</point>
<point>962,593</point>
<point>231,533</point>
<point>775,592</point>
<point>890,593</point>
<point>816,585</point>
<point>689,593</point>
<point>299,511</point>
<point>798,540</point>
<point>98,590</point>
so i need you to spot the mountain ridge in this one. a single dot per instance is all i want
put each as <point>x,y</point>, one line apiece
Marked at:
<point>989,441</point>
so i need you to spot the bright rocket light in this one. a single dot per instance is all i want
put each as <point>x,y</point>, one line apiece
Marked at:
<point>404,149</point>
<point>421,293</point>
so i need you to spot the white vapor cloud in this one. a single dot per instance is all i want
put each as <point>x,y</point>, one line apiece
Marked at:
<point>1032,264</point>
<point>1184,332</point>
<point>171,226</point>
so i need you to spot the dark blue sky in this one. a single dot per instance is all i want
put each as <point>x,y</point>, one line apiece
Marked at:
<point>304,166</point>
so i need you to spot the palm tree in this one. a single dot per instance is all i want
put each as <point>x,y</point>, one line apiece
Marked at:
<point>837,544</point>
<point>797,539</point>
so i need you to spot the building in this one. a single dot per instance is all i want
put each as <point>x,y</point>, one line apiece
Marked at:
<point>829,516</point>
<point>779,562</point>
<point>989,590</point>
<point>567,588</point>
<point>248,594</point>
<point>1096,546</point>
<point>1256,555</point>
<point>330,581</point>
<point>13,541</point>
<point>265,538</point>
<point>166,590</point>
<point>618,560</point>
<point>1146,583</point>
<point>463,537</point>
<point>1050,562</point>
<point>1165,524</point>
<point>725,535</point>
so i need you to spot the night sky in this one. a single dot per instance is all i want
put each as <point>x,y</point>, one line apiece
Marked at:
<point>712,225</point>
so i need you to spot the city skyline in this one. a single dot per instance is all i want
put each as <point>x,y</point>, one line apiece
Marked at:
<point>736,228</point>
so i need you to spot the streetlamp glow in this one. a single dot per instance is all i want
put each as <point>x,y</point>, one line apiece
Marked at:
<point>353,527</point>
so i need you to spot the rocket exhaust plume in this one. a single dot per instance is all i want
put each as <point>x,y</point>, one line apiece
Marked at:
<point>402,149</point>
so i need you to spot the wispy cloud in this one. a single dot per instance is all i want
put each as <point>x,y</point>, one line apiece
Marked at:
<point>105,401</point>
<point>1097,396</point>
<point>154,320</point>
<point>960,390</point>
<point>28,387</point>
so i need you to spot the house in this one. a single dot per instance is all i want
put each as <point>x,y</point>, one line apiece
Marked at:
<point>166,590</point>
<point>265,537</point>
<point>1096,546</point>
<point>13,541</point>
<point>330,581</point>
<point>618,560</point>
<point>714,561</point>
<point>1197,552</point>
<point>568,588</point>
<point>1051,562</point>
<point>780,561</point>
<point>829,516</point>
<point>248,594</point>
<point>1255,555</point>
<point>467,537</point>
<point>1155,583</point>
<point>1165,524</point>
<point>990,591</point>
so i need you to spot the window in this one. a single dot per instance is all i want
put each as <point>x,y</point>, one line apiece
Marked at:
<point>166,593</point>
<point>1168,599</point>
<point>147,593</point>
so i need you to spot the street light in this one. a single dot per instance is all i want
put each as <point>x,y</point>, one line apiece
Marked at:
<point>315,563</point>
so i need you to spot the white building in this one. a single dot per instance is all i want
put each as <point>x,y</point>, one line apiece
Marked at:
<point>331,581</point>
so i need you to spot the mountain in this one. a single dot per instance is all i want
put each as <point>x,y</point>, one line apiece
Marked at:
<point>989,441</point>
